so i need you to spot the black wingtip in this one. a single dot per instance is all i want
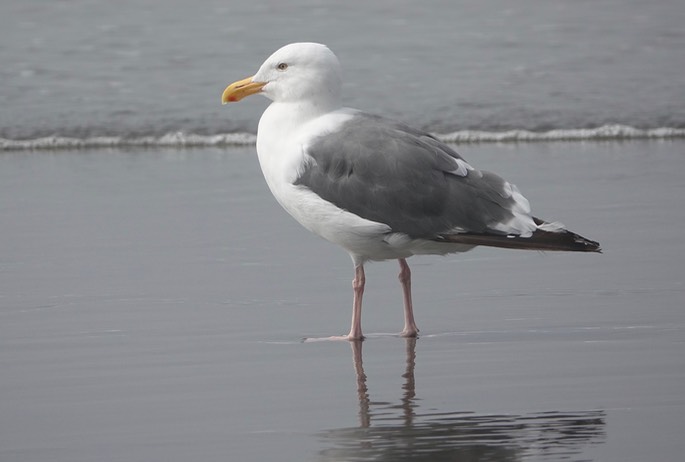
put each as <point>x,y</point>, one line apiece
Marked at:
<point>583,244</point>
<point>562,240</point>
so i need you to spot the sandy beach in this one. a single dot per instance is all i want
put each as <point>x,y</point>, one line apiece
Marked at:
<point>153,302</point>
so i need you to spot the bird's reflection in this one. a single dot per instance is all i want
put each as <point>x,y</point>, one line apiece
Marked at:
<point>401,432</point>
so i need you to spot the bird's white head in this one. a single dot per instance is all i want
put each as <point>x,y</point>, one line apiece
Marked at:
<point>298,72</point>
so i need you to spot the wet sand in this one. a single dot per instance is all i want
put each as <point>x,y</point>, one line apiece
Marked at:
<point>153,302</point>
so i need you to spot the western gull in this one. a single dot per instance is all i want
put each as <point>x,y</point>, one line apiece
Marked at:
<point>379,188</point>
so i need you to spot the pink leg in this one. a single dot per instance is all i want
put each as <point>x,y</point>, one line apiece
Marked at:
<point>410,329</point>
<point>358,286</point>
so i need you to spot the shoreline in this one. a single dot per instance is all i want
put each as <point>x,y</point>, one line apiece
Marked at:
<point>181,140</point>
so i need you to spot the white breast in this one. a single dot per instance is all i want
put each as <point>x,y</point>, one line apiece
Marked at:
<point>282,156</point>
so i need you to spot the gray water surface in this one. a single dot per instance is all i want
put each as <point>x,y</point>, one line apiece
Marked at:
<point>88,68</point>
<point>153,302</point>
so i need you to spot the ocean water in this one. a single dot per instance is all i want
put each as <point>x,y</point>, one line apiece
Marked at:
<point>87,73</point>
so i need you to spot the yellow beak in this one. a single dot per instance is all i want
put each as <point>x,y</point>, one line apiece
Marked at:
<point>240,89</point>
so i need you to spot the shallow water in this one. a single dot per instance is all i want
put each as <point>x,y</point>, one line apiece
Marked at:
<point>153,302</point>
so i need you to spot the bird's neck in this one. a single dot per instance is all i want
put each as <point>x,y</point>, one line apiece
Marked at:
<point>296,113</point>
<point>282,120</point>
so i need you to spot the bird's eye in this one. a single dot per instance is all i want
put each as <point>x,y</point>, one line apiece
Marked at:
<point>282,66</point>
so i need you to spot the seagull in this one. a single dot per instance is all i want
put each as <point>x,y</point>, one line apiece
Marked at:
<point>378,188</point>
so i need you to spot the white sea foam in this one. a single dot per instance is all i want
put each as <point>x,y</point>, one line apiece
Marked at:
<point>176,139</point>
<point>182,140</point>
<point>605,132</point>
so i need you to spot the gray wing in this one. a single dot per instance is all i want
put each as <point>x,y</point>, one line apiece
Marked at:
<point>388,172</point>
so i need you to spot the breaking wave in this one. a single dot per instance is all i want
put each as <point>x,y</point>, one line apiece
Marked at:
<point>603,133</point>
<point>183,140</point>
<point>176,139</point>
